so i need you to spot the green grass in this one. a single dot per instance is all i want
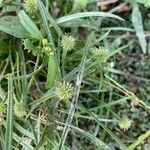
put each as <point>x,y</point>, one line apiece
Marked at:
<point>76,79</point>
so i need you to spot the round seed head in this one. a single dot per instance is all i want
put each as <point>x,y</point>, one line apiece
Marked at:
<point>101,53</point>
<point>67,43</point>
<point>44,42</point>
<point>19,109</point>
<point>30,6</point>
<point>64,90</point>
<point>81,4</point>
<point>124,123</point>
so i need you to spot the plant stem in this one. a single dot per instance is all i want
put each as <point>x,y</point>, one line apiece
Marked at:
<point>76,93</point>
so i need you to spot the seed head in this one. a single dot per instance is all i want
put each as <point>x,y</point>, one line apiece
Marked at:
<point>44,42</point>
<point>124,123</point>
<point>47,49</point>
<point>19,109</point>
<point>2,107</point>
<point>30,6</point>
<point>67,43</point>
<point>101,53</point>
<point>64,90</point>
<point>81,4</point>
<point>46,46</point>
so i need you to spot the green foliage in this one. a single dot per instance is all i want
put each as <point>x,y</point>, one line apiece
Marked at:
<point>145,2</point>
<point>9,123</point>
<point>140,139</point>
<point>12,26</point>
<point>29,25</point>
<point>52,72</point>
<point>137,23</point>
<point>71,75</point>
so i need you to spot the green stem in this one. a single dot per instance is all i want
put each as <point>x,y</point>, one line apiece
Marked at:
<point>63,63</point>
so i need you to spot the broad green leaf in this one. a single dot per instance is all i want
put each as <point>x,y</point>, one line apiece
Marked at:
<point>29,25</point>
<point>9,121</point>
<point>86,14</point>
<point>138,26</point>
<point>12,26</point>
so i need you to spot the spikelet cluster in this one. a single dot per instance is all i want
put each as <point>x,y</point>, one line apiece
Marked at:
<point>19,109</point>
<point>46,46</point>
<point>2,107</point>
<point>64,90</point>
<point>30,6</point>
<point>124,123</point>
<point>80,4</point>
<point>67,43</point>
<point>101,53</point>
<point>2,111</point>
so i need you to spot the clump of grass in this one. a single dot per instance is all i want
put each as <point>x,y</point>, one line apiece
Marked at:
<point>65,94</point>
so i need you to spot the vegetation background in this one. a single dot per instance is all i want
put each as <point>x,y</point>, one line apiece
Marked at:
<point>74,74</point>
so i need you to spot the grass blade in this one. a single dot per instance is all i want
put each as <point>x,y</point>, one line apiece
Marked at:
<point>29,25</point>
<point>49,17</point>
<point>9,121</point>
<point>12,26</point>
<point>140,139</point>
<point>138,26</point>
<point>122,146</point>
<point>100,144</point>
<point>86,14</point>
<point>77,91</point>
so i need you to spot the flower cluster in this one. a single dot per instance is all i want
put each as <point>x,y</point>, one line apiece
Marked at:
<point>101,53</point>
<point>124,123</point>
<point>46,46</point>
<point>2,111</point>
<point>81,4</point>
<point>30,6</point>
<point>19,109</point>
<point>64,90</point>
<point>2,107</point>
<point>67,43</point>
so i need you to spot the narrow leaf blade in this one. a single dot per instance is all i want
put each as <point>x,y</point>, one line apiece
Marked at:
<point>29,25</point>
<point>86,14</point>
<point>138,26</point>
<point>9,121</point>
